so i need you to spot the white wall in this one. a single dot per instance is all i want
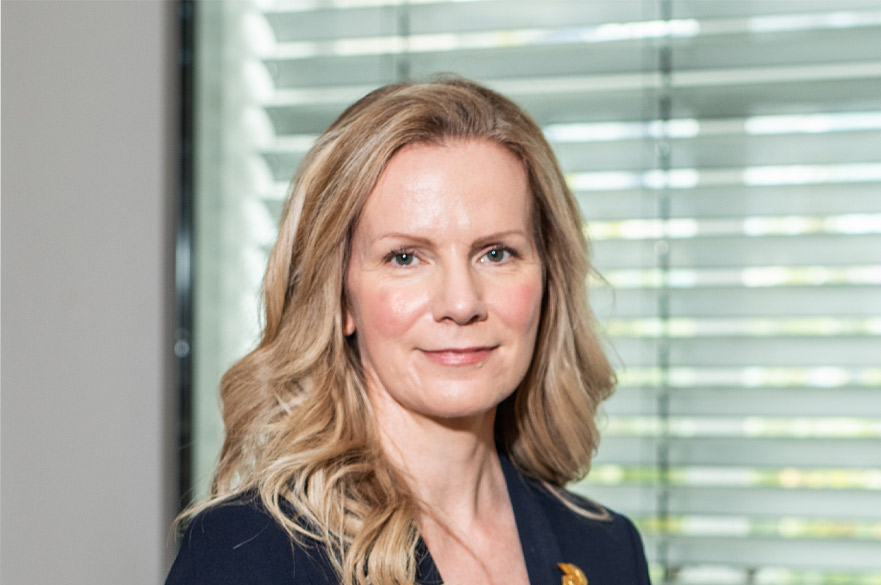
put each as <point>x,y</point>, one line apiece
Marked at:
<point>88,180</point>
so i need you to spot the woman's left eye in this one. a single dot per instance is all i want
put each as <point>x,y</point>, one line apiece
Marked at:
<point>496,255</point>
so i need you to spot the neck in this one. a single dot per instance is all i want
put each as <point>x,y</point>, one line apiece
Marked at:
<point>451,464</point>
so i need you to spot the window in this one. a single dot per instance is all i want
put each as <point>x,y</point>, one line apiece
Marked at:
<point>727,158</point>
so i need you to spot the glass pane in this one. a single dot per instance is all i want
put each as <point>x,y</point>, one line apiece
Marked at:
<point>727,158</point>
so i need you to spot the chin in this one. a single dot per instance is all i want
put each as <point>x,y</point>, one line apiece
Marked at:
<point>463,406</point>
<point>472,421</point>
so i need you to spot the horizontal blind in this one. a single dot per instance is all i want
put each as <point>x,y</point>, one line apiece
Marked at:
<point>746,303</point>
<point>727,157</point>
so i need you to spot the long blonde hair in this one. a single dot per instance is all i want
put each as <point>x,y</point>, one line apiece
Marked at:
<point>299,428</point>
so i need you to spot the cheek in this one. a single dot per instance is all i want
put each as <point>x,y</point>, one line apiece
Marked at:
<point>389,312</point>
<point>520,306</point>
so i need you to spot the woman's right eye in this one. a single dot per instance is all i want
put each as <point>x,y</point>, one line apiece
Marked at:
<point>402,258</point>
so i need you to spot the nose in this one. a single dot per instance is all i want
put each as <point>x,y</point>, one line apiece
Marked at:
<point>458,295</point>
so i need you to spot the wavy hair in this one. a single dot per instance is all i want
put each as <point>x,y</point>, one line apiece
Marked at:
<point>300,431</point>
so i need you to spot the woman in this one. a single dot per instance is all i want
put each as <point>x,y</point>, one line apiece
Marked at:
<point>428,374</point>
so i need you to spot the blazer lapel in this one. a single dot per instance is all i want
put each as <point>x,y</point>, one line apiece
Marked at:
<point>537,537</point>
<point>426,572</point>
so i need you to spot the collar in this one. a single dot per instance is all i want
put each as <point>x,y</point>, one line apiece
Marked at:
<point>540,549</point>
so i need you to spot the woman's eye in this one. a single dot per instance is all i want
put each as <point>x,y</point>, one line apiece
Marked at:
<point>403,258</point>
<point>496,255</point>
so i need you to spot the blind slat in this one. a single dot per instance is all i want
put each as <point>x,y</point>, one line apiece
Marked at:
<point>740,452</point>
<point>825,504</point>
<point>794,401</point>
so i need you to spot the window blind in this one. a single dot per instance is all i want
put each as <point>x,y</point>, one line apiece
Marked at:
<point>727,158</point>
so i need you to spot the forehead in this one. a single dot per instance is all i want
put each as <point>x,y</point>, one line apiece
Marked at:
<point>458,186</point>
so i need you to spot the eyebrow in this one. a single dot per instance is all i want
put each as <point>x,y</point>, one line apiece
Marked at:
<point>421,240</point>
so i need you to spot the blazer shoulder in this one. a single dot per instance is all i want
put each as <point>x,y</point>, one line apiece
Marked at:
<point>239,543</point>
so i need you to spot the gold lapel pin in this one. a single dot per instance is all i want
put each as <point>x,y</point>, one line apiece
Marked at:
<point>572,575</point>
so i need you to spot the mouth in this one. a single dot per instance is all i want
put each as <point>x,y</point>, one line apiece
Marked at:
<point>456,356</point>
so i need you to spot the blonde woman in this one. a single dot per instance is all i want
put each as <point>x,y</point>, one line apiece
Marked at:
<point>428,374</point>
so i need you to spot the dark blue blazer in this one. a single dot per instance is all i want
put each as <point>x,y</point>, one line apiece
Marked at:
<point>238,543</point>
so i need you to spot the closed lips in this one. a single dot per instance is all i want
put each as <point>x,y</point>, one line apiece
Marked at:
<point>459,356</point>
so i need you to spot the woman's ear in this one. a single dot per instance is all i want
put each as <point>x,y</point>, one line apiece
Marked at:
<point>348,320</point>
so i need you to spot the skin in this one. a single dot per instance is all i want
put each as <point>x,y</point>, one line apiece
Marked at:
<point>444,291</point>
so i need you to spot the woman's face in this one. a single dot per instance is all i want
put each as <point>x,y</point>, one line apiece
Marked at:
<point>444,285</point>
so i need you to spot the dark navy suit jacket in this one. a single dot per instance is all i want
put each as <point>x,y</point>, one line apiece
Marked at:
<point>238,543</point>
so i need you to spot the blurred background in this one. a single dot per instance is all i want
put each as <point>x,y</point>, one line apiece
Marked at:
<point>727,159</point>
